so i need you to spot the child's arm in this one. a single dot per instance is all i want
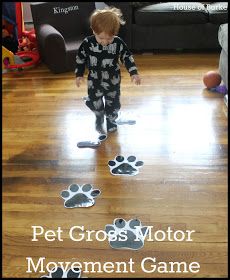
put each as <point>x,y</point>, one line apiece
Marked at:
<point>80,63</point>
<point>127,59</point>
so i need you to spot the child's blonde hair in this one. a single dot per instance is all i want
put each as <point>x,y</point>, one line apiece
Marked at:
<point>107,20</point>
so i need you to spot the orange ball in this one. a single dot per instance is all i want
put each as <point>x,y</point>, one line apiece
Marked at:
<point>211,79</point>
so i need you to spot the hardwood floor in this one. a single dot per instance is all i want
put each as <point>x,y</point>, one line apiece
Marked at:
<point>180,135</point>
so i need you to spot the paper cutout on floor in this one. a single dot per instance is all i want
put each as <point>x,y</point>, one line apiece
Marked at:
<point>60,273</point>
<point>92,144</point>
<point>80,196</point>
<point>125,166</point>
<point>124,234</point>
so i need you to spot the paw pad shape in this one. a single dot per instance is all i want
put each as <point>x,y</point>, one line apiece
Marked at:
<point>122,166</point>
<point>124,234</point>
<point>79,196</point>
<point>60,273</point>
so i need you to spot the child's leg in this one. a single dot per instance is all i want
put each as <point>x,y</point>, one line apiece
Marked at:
<point>112,107</point>
<point>96,105</point>
<point>99,121</point>
<point>111,125</point>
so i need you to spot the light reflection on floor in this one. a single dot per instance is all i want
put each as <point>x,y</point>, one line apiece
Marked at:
<point>178,131</point>
<point>79,128</point>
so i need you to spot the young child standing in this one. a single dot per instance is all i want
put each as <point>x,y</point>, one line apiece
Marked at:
<point>101,53</point>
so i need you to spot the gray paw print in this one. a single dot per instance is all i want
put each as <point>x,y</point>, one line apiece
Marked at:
<point>60,273</point>
<point>79,196</point>
<point>126,235</point>
<point>122,166</point>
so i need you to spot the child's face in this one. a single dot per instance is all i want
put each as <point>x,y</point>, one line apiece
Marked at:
<point>103,38</point>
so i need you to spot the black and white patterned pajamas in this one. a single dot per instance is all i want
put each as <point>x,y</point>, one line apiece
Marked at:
<point>104,73</point>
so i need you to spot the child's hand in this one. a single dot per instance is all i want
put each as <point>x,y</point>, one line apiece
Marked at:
<point>79,80</point>
<point>136,79</point>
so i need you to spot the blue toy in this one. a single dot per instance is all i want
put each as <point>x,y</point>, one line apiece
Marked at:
<point>220,89</point>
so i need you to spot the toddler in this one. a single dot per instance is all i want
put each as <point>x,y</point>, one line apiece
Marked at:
<point>101,53</point>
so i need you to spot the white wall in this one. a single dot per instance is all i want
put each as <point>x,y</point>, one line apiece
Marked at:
<point>27,12</point>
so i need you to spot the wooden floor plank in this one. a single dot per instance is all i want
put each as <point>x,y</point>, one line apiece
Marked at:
<point>181,136</point>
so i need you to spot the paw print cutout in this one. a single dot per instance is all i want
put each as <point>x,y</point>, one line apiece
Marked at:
<point>92,144</point>
<point>125,118</point>
<point>122,166</point>
<point>126,234</point>
<point>80,196</point>
<point>60,273</point>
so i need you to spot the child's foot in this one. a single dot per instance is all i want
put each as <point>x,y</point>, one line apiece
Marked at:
<point>99,124</point>
<point>111,126</point>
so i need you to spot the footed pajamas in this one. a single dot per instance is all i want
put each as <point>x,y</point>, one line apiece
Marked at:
<point>104,73</point>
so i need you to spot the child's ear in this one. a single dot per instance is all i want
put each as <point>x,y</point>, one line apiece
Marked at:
<point>93,31</point>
